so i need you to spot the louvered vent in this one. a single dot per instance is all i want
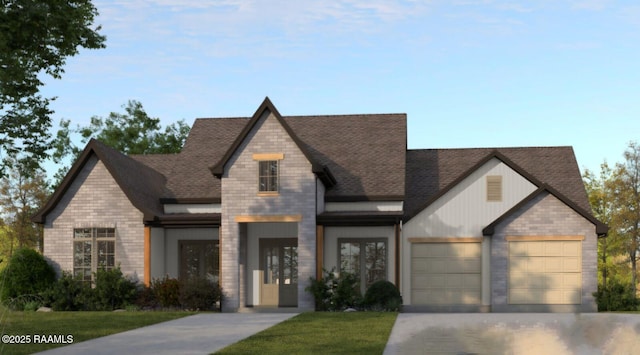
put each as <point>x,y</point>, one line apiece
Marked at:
<point>494,188</point>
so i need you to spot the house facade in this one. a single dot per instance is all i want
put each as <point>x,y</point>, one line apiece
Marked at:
<point>263,204</point>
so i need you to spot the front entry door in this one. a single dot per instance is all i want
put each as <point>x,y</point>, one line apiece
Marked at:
<point>279,269</point>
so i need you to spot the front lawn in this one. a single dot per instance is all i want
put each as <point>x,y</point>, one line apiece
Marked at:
<point>81,325</point>
<point>321,333</point>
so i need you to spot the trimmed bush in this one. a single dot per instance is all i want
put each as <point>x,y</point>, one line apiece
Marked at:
<point>199,294</point>
<point>27,273</point>
<point>382,296</point>
<point>333,293</point>
<point>113,290</point>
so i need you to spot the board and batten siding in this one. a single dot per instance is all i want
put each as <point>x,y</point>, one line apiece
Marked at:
<point>463,212</point>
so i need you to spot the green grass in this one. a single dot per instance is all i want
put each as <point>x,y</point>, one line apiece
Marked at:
<point>82,325</point>
<point>321,333</point>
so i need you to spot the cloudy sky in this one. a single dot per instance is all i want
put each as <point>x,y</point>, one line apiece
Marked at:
<point>468,73</point>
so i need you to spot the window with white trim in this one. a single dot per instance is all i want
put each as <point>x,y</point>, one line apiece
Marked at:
<point>365,258</point>
<point>93,248</point>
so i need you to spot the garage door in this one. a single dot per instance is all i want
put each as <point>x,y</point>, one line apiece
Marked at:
<point>545,272</point>
<point>445,273</point>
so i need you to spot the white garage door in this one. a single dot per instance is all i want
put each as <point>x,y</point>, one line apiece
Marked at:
<point>545,272</point>
<point>445,273</point>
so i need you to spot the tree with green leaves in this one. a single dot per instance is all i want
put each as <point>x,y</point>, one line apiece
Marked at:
<point>22,192</point>
<point>626,213</point>
<point>36,38</point>
<point>132,132</point>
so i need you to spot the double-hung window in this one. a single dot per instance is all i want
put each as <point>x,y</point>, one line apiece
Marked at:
<point>268,173</point>
<point>268,176</point>
<point>365,258</point>
<point>93,248</point>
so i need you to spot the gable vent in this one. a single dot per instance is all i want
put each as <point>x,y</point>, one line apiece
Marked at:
<point>494,188</point>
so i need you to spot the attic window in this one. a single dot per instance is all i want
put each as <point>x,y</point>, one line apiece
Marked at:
<point>494,188</point>
<point>268,176</point>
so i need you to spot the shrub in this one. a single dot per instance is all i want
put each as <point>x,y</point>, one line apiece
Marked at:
<point>199,294</point>
<point>382,296</point>
<point>333,293</point>
<point>167,292</point>
<point>147,298</point>
<point>616,296</point>
<point>113,290</point>
<point>69,294</point>
<point>28,273</point>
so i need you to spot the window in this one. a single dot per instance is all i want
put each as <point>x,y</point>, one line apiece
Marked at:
<point>494,188</point>
<point>93,248</point>
<point>199,259</point>
<point>268,176</point>
<point>365,258</point>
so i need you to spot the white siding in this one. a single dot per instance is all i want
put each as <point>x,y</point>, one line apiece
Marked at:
<point>380,206</point>
<point>193,208</point>
<point>463,212</point>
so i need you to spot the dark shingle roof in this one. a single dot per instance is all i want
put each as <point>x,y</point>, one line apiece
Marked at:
<point>187,173</point>
<point>366,154</point>
<point>141,183</point>
<point>432,171</point>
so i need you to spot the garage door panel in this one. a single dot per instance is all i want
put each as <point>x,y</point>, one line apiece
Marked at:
<point>419,250</point>
<point>445,297</point>
<point>545,272</point>
<point>572,264</point>
<point>419,264</point>
<point>571,249</point>
<point>446,273</point>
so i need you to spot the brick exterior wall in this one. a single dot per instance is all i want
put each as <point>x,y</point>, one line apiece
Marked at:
<point>545,215</point>
<point>297,196</point>
<point>94,199</point>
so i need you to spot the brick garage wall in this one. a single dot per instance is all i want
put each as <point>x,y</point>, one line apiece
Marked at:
<point>94,199</point>
<point>545,215</point>
<point>297,195</point>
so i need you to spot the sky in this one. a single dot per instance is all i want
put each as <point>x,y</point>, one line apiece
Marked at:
<point>468,73</point>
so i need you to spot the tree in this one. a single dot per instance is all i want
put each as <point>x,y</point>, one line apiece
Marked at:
<point>36,37</point>
<point>600,190</point>
<point>133,132</point>
<point>626,213</point>
<point>22,193</point>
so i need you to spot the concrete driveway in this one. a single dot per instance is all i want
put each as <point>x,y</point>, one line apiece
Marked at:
<point>198,334</point>
<point>515,333</point>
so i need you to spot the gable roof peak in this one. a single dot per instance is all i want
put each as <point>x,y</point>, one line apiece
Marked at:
<point>267,106</point>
